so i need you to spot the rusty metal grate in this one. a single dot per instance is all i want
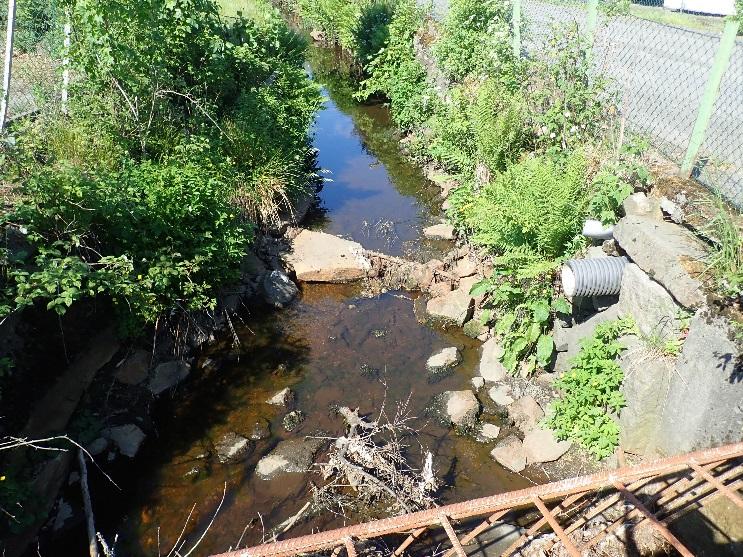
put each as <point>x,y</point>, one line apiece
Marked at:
<point>655,493</point>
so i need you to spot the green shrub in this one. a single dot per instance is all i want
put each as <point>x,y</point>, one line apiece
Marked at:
<point>537,205</point>
<point>476,39</point>
<point>396,74</point>
<point>591,397</point>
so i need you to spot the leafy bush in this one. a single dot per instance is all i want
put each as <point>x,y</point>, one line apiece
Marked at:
<point>476,39</point>
<point>397,74</point>
<point>537,205</point>
<point>591,396</point>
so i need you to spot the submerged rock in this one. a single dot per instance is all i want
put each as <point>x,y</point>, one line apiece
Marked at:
<point>440,232</point>
<point>284,398</point>
<point>168,375</point>
<point>442,363</point>
<point>321,257</point>
<point>510,453</point>
<point>279,290</point>
<point>293,420</point>
<point>233,448</point>
<point>294,456</point>
<point>261,430</point>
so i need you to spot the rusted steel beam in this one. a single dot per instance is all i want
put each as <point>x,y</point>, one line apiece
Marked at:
<point>414,535</point>
<point>484,505</point>
<point>721,487</point>
<point>350,549</point>
<point>654,522</point>
<point>556,528</point>
<point>452,535</point>
<point>534,528</point>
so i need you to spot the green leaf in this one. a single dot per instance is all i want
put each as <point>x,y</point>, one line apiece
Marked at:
<point>545,347</point>
<point>561,305</point>
<point>541,311</point>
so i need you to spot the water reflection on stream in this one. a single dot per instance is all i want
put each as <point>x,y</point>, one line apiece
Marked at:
<point>332,346</point>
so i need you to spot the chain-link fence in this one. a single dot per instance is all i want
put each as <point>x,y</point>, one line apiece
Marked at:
<point>36,76</point>
<point>664,75</point>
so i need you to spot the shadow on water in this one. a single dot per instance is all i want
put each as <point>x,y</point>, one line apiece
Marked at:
<point>333,346</point>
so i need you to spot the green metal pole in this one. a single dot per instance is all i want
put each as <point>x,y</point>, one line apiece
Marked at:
<point>516,22</point>
<point>711,90</point>
<point>591,19</point>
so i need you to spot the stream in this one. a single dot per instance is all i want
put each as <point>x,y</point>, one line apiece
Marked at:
<point>333,346</point>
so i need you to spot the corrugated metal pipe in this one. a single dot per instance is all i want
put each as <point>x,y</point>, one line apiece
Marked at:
<point>599,276</point>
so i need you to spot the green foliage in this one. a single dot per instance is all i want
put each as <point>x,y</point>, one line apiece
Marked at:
<point>570,105</point>
<point>536,205</point>
<point>397,74</point>
<point>489,129</point>
<point>591,397</point>
<point>520,302</point>
<point>37,21</point>
<point>184,134</point>
<point>476,39</point>
<point>725,262</point>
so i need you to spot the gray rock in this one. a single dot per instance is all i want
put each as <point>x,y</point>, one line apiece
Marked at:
<point>98,446</point>
<point>526,413</point>
<point>440,232</point>
<point>540,446</point>
<point>465,267</point>
<point>645,388</point>
<point>510,453</point>
<point>670,254</point>
<point>135,368</point>
<point>458,408</point>
<point>444,359</point>
<point>293,420</point>
<point>672,209</point>
<point>284,398</point>
<point>293,456</point>
<point>128,438</point>
<point>454,307</point>
<point>640,205</point>
<point>168,375</point>
<point>261,430</point>
<point>501,395</point>
<point>279,290</point>
<point>567,339</point>
<point>705,401</point>
<point>320,257</point>
<point>478,382</point>
<point>491,368</point>
<point>233,448</point>
<point>651,306</point>
<point>489,431</point>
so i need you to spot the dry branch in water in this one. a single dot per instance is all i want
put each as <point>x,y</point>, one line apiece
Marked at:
<point>370,460</point>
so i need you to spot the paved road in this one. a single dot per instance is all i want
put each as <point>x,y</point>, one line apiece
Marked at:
<point>660,73</point>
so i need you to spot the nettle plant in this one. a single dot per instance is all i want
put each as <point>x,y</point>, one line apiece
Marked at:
<point>591,396</point>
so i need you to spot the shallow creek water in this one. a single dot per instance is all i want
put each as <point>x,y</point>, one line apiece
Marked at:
<point>332,346</point>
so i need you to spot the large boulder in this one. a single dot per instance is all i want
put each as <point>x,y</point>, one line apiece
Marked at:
<point>453,307</point>
<point>128,438</point>
<point>651,306</point>
<point>525,413</point>
<point>669,253</point>
<point>233,448</point>
<point>646,381</point>
<point>293,456</point>
<point>320,257</point>
<point>540,445</point>
<point>135,368</point>
<point>278,289</point>
<point>491,368</point>
<point>703,407</point>
<point>510,453</point>
<point>167,375</point>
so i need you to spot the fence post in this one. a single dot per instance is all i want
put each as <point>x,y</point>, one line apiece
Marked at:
<point>516,22</point>
<point>591,19</point>
<point>711,90</point>
<point>66,60</point>
<point>7,66</point>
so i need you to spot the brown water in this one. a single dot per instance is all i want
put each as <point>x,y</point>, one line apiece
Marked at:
<point>332,347</point>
